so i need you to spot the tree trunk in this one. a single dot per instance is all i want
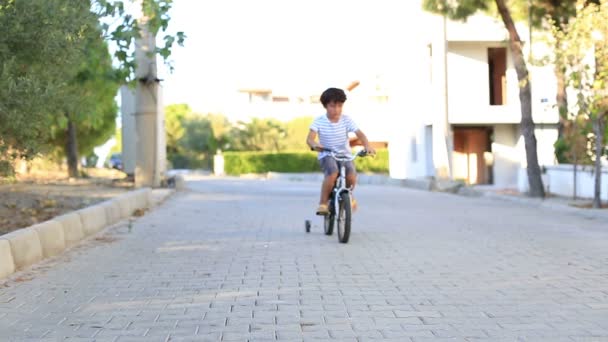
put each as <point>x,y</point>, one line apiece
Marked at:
<point>525,97</point>
<point>575,157</point>
<point>598,130</point>
<point>71,149</point>
<point>561,100</point>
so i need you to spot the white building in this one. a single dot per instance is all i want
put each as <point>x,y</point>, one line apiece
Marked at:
<point>467,108</point>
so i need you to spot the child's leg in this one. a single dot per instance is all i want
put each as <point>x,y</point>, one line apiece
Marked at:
<point>351,175</point>
<point>330,170</point>
<point>351,182</point>
<point>328,184</point>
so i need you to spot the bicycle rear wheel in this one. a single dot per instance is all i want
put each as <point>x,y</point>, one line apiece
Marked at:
<point>328,224</point>
<point>344,218</point>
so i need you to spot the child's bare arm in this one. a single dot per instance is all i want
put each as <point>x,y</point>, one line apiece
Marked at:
<point>311,141</point>
<point>363,138</point>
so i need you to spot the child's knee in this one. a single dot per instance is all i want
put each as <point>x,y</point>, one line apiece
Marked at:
<point>332,176</point>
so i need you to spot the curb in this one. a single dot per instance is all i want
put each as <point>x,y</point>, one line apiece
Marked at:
<point>7,265</point>
<point>72,228</point>
<point>52,238</point>
<point>93,219</point>
<point>25,247</point>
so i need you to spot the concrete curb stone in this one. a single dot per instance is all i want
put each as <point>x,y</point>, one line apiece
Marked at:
<point>7,265</point>
<point>72,228</point>
<point>25,247</point>
<point>51,236</point>
<point>93,219</point>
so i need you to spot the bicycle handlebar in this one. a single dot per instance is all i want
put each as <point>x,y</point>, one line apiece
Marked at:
<point>342,157</point>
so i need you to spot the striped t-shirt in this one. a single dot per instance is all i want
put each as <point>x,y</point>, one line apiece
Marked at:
<point>332,135</point>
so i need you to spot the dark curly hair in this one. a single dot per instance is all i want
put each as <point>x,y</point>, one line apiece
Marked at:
<point>333,95</point>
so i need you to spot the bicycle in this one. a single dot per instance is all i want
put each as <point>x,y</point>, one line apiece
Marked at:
<point>339,198</point>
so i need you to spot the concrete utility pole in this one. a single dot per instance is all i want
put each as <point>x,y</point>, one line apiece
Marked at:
<point>129,134</point>
<point>150,163</point>
<point>442,132</point>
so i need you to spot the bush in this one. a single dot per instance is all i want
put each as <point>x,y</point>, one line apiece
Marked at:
<point>236,163</point>
<point>376,164</point>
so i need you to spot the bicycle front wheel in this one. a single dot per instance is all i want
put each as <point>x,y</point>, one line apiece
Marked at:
<point>344,218</point>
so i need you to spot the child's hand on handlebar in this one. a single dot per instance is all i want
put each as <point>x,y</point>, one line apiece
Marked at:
<point>317,148</point>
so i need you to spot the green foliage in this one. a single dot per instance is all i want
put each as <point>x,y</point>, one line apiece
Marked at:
<point>192,138</point>
<point>55,68</point>
<point>40,44</point>
<point>126,30</point>
<point>117,148</point>
<point>296,133</point>
<point>582,54</point>
<point>259,145</point>
<point>91,93</point>
<point>236,163</point>
<point>459,10</point>
<point>260,135</point>
<point>375,164</point>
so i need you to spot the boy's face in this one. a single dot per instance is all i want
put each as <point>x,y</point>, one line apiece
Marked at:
<point>334,109</point>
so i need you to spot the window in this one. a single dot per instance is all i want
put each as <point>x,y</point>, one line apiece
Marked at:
<point>497,67</point>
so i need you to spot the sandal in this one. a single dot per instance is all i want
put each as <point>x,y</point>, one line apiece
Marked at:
<point>322,210</point>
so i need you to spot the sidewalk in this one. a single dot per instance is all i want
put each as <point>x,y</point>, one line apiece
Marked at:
<point>579,207</point>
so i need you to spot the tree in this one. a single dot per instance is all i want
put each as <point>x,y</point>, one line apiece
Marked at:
<point>260,135</point>
<point>117,148</point>
<point>125,29</point>
<point>554,16</point>
<point>296,132</point>
<point>88,119</point>
<point>192,138</point>
<point>462,9</point>
<point>39,46</point>
<point>175,117</point>
<point>582,55</point>
<point>222,129</point>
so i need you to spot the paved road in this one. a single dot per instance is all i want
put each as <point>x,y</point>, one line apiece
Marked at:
<point>229,260</point>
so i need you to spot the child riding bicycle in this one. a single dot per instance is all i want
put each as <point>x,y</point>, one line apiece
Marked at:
<point>332,130</point>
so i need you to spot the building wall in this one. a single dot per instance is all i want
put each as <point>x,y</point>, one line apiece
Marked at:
<point>507,157</point>
<point>469,86</point>
<point>560,179</point>
<point>546,135</point>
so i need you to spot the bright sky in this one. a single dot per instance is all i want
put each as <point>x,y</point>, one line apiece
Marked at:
<point>291,45</point>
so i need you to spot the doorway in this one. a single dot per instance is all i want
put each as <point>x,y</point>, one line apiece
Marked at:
<point>472,156</point>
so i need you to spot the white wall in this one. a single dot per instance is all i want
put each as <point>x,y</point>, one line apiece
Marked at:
<point>468,86</point>
<point>561,181</point>
<point>507,159</point>
<point>546,135</point>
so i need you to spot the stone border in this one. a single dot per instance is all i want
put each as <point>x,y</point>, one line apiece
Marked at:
<point>25,247</point>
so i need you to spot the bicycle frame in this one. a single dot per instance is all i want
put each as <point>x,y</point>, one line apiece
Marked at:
<point>340,186</point>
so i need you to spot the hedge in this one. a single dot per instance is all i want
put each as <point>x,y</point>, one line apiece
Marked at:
<point>236,163</point>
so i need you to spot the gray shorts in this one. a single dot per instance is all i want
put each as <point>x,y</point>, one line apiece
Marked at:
<point>330,166</point>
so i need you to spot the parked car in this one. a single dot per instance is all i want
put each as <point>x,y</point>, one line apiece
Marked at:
<point>116,161</point>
